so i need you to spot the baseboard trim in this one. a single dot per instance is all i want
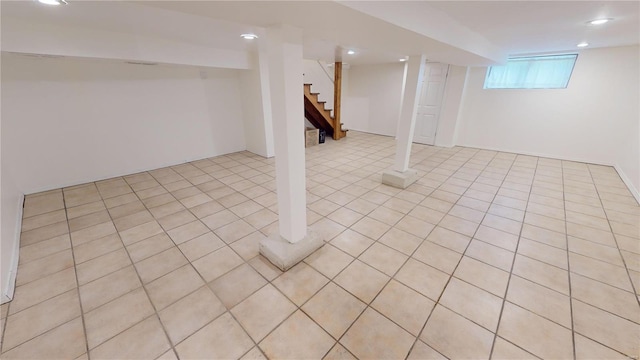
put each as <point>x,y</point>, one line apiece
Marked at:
<point>8,291</point>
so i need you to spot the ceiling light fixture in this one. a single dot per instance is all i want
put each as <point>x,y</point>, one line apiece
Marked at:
<point>249,36</point>
<point>53,2</point>
<point>583,44</point>
<point>351,52</point>
<point>599,21</point>
<point>403,59</point>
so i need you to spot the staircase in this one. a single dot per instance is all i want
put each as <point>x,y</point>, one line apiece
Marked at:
<point>320,117</point>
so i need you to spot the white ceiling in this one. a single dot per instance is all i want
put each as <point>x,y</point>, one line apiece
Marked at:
<point>457,32</point>
<point>522,27</point>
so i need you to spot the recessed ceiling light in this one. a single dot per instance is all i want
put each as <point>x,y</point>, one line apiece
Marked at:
<point>583,44</point>
<point>599,21</point>
<point>403,59</point>
<point>351,52</point>
<point>53,2</point>
<point>249,36</point>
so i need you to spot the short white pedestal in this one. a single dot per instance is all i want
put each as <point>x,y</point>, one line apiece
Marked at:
<point>284,254</point>
<point>399,179</point>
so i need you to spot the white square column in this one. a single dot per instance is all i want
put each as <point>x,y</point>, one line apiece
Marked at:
<point>401,176</point>
<point>294,241</point>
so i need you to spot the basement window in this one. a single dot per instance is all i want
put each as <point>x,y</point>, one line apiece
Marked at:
<point>533,72</point>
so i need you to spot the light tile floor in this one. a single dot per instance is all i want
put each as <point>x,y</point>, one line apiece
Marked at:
<point>489,254</point>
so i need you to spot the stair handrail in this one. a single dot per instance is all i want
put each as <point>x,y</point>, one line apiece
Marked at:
<point>325,71</point>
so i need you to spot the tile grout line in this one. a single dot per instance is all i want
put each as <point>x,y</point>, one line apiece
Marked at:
<point>75,272</point>
<point>616,241</point>
<point>461,256</point>
<point>142,285</point>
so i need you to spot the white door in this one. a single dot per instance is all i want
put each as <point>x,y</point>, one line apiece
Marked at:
<point>435,76</point>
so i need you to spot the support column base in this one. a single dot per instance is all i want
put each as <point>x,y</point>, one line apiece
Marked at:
<point>399,179</point>
<point>284,255</point>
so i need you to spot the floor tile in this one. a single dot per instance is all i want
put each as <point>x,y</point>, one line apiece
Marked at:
<point>189,314</point>
<point>371,228</point>
<point>217,263</point>
<point>237,285</point>
<point>298,337</point>
<point>444,329</point>
<point>595,250</point>
<point>449,239</point>
<point>422,351</point>
<point>544,253</point>
<point>605,328</point>
<point>589,349</point>
<point>120,314</point>
<point>201,246</point>
<point>351,242</point>
<point>44,233</point>
<point>44,266</point>
<point>249,246</point>
<point>599,270</point>
<point>459,225</point>
<point>234,231</point>
<point>45,219</point>
<point>538,299</point>
<point>109,287</point>
<point>173,286</point>
<point>145,340</point>
<point>415,226</point>
<point>300,283</point>
<point>362,280</point>
<point>338,352</point>
<point>329,261</point>
<point>264,267</point>
<point>158,265</point>
<point>149,247</point>
<point>374,336</point>
<point>177,219</point>
<point>140,232</point>
<point>345,217</point>
<point>406,307</point>
<point>505,350</point>
<point>425,279</point>
<point>263,311</point>
<point>497,238</point>
<point>36,320</point>
<point>542,273</point>
<point>44,248</point>
<point>383,258</point>
<point>437,256</point>
<point>334,309</point>
<point>473,303</point>
<point>96,248</point>
<point>42,289</point>
<point>535,334</point>
<point>221,339</point>
<point>47,345</point>
<point>187,232</point>
<point>490,254</point>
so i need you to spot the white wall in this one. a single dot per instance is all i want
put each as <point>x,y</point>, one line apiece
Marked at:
<point>71,121</point>
<point>256,103</point>
<point>595,119</point>
<point>67,121</point>
<point>371,98</point>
